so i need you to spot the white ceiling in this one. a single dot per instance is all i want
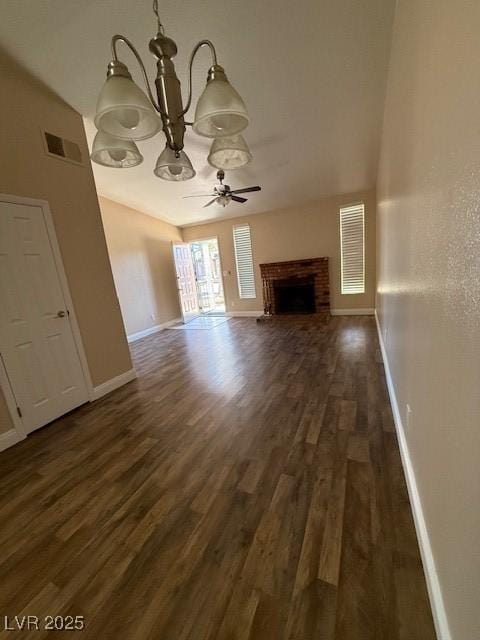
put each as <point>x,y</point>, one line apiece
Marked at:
<point>312,74</point>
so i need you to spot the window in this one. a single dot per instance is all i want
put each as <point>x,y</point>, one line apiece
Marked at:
<point>244,261</point>
<point>352,241</point>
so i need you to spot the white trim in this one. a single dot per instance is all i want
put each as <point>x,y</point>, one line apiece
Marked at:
<point>333,312</point>
<point>148,332</point>
<point>9,438</point>
<point>205,239</point>
<point>352,312</point>
<point>11,402</point>
<point>57,257</point>
<point>246,314</point>
<point>433,584</point>
<point>68,298</point>
<point>52,236</point>
<point>113,383</point>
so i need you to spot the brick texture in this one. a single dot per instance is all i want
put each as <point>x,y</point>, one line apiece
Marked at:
<point>316,267</point>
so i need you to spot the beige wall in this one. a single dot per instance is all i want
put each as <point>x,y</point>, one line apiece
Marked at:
<point>26,108</point>
<point>308,231</point>
<point>429,278</point>
<point>140,249</point>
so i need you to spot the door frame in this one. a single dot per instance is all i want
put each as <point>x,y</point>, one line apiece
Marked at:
<point>214,237</point>
<point>57,258</point>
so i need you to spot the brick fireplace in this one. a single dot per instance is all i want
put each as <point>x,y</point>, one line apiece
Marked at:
<point>296,286</point>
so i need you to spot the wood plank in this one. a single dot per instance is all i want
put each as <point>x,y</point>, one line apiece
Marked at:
<point>356,604</point>
<point>259,497</point>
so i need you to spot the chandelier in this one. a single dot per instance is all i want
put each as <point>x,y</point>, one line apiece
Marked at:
<point>126,114</point>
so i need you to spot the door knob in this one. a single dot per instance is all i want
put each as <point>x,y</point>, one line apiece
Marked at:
<point>60,314</point>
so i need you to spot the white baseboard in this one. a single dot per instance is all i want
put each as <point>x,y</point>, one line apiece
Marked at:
<point>9,438</point>
<point>333,312</point>
<point>148,332</point>
<point>352,312</point>
<point>433,585</point>
<point>114,383</point>
<point>244,314</point>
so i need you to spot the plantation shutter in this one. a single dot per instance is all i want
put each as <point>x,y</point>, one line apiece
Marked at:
<point>244,261</point>
<point>352,240</point>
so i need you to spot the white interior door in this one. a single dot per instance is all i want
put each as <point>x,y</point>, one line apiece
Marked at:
<point>36,340</point>
<point>187,289</point>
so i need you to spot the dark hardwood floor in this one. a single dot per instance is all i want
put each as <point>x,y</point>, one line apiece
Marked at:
<point>248,486</point>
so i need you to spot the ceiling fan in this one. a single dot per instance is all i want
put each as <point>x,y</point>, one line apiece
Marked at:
<point>223,194</point>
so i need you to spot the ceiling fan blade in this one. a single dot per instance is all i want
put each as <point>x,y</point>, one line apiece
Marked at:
<point>209,203</point>
<point>199,195</point>
<point>237,199</point>
<point>246,190</point>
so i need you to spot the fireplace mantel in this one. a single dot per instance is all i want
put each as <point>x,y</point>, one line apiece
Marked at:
<point>316,267</point>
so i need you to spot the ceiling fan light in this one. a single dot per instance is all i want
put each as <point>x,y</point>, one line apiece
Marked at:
<point>171,167</point>
<point>223,200</point>
<point>220,109</point>
<point>124,111</point>
<point>113,152</point>
<point>229,152</point>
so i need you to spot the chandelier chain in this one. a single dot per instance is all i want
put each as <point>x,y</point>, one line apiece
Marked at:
<point>159,22</point>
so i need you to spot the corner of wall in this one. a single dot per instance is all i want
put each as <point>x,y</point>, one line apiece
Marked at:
<point>433,584</point>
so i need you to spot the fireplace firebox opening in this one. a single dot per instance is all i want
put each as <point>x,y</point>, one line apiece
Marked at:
<point>295,295</point>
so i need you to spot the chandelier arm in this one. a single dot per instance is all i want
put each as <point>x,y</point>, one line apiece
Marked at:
<point>202,43</point>
<point>119,38</point>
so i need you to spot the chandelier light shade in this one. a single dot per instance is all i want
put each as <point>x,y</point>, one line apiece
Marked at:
<point>113,152</point>
<point>229,152</point>
<point>220,109</point>
<point>124,111</point>
<point>174,165</point>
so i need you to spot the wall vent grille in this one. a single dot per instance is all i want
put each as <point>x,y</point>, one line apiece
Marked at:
<point>62,148</point>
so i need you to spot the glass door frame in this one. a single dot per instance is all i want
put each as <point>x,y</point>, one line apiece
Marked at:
<point>222,280</point>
